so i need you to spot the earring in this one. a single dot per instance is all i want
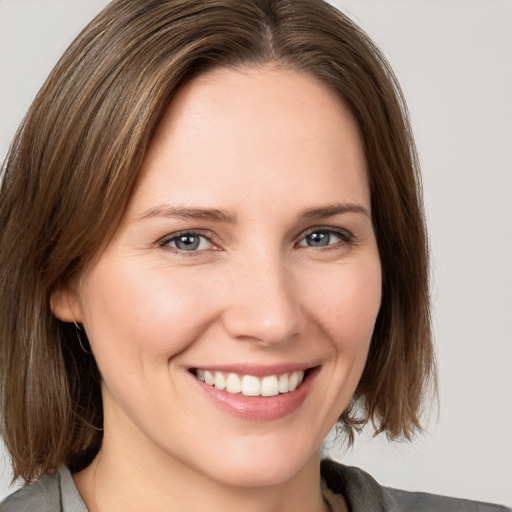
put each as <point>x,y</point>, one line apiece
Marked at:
<point>78,329</point>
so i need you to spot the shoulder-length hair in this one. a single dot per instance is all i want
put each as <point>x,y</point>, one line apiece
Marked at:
<point>73,162</point>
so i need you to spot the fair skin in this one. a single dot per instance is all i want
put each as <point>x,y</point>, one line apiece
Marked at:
<point>247,248</point>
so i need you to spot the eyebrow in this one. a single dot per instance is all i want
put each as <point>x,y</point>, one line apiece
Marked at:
<point>221,216</point>
<point>335,209</point>
<point>208,214</point>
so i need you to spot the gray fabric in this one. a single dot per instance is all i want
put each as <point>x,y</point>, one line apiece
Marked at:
<point>71,499</point>
<point>422,502</point>
<point>57,493</point>
<point>363,494</point>
<point>52,493</point>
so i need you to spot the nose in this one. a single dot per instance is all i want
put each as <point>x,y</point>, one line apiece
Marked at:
<point>263,305</point>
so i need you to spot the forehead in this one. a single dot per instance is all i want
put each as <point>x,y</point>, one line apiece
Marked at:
<point>261,128</point>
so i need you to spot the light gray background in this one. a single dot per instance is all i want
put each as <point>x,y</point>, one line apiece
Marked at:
<point>453,58</point>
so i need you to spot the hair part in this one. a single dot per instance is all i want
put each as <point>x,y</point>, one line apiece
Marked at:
<point>72,165</point>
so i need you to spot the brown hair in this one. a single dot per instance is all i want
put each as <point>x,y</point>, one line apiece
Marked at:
<point>72,164</point>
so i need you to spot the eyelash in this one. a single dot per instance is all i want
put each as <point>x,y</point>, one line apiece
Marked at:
<point>345,238</point>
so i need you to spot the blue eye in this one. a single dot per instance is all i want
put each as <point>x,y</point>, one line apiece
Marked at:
<point>187,241</point>
<point>324,238</point>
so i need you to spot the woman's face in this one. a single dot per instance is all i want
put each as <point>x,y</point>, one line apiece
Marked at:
<point>246,258</point>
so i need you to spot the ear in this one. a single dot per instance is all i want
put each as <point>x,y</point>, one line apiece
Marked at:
<point>64,303</point>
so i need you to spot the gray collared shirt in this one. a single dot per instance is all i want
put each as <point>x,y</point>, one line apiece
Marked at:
<point>57,493</point>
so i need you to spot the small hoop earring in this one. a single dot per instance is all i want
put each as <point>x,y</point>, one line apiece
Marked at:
<point>78,329</point>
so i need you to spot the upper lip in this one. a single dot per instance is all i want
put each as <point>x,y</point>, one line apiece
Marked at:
<point>256,370</point>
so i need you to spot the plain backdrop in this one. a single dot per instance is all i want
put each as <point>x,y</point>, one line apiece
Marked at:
<point>454,61</point>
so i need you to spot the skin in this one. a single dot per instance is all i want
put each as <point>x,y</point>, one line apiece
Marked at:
<point>263,145</point>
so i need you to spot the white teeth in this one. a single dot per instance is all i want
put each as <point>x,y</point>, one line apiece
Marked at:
<point>233,383</point>
<point>293,381</point>
<point>249,385</point>
<point>220,381</point>
<point>283,383</point>
<point>269,386</point>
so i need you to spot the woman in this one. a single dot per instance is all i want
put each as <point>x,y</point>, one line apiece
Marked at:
<point>213,249</point>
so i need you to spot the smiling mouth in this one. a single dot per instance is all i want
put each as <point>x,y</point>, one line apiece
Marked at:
<point>250,385</point>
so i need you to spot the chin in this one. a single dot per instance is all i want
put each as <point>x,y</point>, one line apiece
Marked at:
<point>262,463</point>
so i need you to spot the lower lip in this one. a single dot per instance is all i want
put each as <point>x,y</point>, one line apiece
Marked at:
<point>260,408</point>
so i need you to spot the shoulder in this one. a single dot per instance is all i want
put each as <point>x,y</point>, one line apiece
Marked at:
<point>41,496</point>
<point>52,493</point>
<point>363,493</point>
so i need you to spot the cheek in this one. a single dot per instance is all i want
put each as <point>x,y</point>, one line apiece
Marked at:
<point>347,305</point>
<point>138,315</point>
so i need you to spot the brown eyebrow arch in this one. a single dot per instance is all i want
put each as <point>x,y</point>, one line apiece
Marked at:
<point>207,214</point>
<point>215,215</point>
<point>336,209</point>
